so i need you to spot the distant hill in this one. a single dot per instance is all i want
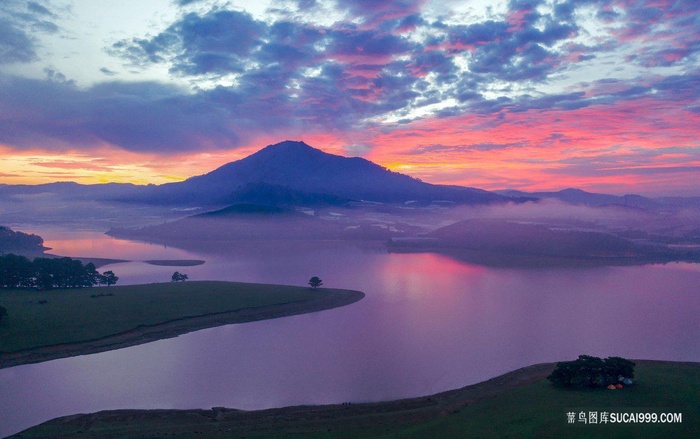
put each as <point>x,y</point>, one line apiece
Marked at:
<point>20,243</point>
<point>529,239</point>
<point>252,222</point>
<point>578,196</point>
<point>502,242</point>
<point>68,190</point>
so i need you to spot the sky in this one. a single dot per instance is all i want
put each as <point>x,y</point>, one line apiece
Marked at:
<point>602,95</point>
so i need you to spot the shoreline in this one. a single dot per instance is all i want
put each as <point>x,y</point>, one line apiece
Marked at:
<point>173,328</point>
<point>297,421</point>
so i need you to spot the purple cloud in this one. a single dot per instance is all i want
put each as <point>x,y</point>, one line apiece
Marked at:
<point>295,75</point>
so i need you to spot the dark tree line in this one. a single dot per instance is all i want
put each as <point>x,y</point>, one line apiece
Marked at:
<point>48,273</point>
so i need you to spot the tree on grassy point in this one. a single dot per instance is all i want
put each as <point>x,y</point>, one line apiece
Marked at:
<point>315,282</point>
<point>178,277</point>
<point>108,278</point>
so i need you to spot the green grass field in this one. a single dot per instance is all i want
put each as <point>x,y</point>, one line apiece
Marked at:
<point>540,410</point>
<point>534,410</point>
<point>45,318</point>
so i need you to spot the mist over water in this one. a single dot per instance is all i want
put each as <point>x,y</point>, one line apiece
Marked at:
<point>428,324</point>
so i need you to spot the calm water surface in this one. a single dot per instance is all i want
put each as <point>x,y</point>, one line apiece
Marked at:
<point>428,324</point>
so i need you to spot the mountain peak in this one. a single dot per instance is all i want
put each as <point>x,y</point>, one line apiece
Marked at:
<point>290,144</point>
<point>290,150</point>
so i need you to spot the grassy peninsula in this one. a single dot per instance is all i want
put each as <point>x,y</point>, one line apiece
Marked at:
<point>519,404</point>
<point>43,325</point>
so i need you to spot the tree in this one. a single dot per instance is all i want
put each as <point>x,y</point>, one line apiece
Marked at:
<point>3,313</point>
<point>178,277</point>
<point>108,278</point>
<point>90,276</point>
<point>315,282</point>
<point>589,371</point>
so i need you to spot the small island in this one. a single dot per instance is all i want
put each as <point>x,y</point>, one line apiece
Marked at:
<point>45,325</point>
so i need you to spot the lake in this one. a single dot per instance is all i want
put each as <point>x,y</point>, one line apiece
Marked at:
<point>428,324</point>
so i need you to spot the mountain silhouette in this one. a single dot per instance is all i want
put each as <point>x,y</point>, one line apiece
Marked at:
<point>306,172</point>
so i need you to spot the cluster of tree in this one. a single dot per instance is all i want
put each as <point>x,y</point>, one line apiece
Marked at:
<point>178,277</point>
<point>47,273</point>
<point>589,371</point>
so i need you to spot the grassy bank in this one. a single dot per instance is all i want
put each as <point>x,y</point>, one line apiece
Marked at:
<point>520,404</point>
<point>42,324</point>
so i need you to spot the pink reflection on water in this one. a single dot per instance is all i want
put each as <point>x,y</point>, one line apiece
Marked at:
<point>98,245</point>
<point>428,324</point>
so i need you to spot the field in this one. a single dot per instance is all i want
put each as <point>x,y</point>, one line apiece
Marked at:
<point>520,404</point>
<point>77,321</point>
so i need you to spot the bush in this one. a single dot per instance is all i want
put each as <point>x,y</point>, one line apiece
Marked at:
<point>588,371</point>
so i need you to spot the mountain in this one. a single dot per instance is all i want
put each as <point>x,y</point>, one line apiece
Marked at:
<point>300,169</point>
<point>264,194</point>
